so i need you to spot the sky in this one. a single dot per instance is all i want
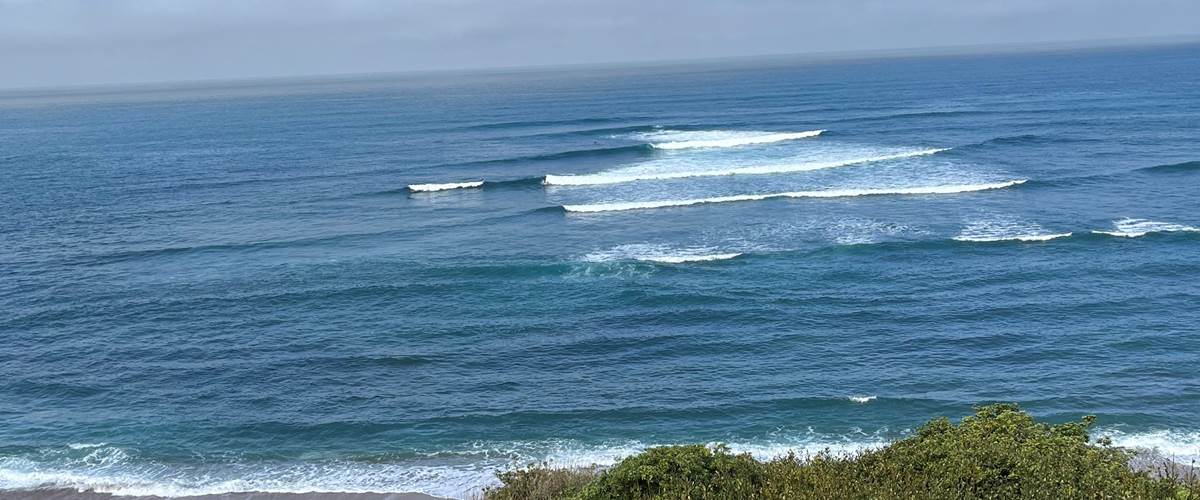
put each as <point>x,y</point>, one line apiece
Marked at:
<point>81,42</point>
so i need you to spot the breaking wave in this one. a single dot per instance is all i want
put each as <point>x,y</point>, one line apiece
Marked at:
<point>663,254</point>
<point>444,186</point>
<point>618,177</point>
<point>682,139</point>
<point>832,193</point>
<point>991,231</point>
<point>1133,228</point>
<point>1015,237</point>
<point>454,474</point>
<point>458,474</point>
<point>1178,446</point>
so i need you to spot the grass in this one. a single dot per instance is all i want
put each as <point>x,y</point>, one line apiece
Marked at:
<point>999,452</point>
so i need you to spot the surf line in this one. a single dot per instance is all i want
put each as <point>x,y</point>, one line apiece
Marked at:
<point>832,193</point>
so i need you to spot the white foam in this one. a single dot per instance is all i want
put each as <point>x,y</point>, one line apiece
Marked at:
<point>1006,230</point>
<point>331,478</point>
<point>459,474</point>
<point>683,139</point>
<point>861,399</point>
<point>125,477</point>
<point>473,469</point>
<point>659,253</point>
<point>617,177</point>
<point>84,446</point>
<point>860,231</point>
<point>445,186</point>
<point>1179,446</point>
<point>831,193</point>
<point>1133,228</point>
<point>678,259</point>
<point>1019,237</point>
<point>456,474</point>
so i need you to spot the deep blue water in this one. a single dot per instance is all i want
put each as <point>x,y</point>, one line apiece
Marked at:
<point>223,288</point>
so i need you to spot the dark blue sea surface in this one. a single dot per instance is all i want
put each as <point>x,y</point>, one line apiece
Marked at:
<point>233,287</point>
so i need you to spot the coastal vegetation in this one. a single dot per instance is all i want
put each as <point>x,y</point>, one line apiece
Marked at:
<point>999,452</point>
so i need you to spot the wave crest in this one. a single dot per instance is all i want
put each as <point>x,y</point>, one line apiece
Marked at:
<point>1006,230</point>
<point>832,193</point>
<point>1133,228</point>
<point>1016,237</point>
<point>1187,166</point>
<point>662,254</point>
<point>682,139</point>
<point>444,186</point>
<point>617,178</point>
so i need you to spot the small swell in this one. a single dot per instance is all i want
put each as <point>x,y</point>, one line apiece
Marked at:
<point>589,153</point>
<point>634,150</point>
<point>915,114</point>
<point>833,193</point>
<point>1014,140</point>
<point>1030,139</point>
<point>548,123</point>
<point>1187,166</point>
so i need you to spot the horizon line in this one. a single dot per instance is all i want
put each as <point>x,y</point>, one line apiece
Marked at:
<point>1004,48</point>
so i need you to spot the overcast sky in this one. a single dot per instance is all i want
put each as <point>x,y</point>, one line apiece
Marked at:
<point>75,42</point>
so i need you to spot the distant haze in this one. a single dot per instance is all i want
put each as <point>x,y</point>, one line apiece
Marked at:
<point>77,42</point>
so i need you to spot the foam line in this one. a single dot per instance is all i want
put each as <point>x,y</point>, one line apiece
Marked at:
<point>832,193</point>
<point>663,254</point>
<point>1134,228</point>
<point>1015,237</point>
<point>721,139</point>
<point>616,178</point>
<point>680,259</point>
<point>444,187</point>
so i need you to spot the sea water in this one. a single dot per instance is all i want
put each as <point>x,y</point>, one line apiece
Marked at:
<point>408,283</point>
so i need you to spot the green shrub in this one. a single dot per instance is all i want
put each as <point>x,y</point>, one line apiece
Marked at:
<point>541,483</point>
<point>693,471</point>
<point>999,452</point>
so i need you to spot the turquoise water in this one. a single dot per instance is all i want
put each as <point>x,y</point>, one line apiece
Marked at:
<point>234,287</point>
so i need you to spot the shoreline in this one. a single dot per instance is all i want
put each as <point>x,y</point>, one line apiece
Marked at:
<point>1146,460</point>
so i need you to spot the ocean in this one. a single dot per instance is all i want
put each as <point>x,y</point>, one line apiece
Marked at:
<point>405,283</point>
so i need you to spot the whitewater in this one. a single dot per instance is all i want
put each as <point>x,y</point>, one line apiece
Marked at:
<point>679,139</point>
<point>618,177</point>
<point>830,193</point>
<point>444,186</point>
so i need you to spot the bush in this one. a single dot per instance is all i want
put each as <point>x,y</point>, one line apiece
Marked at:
<point>694,471</point>
<point>999,452</point>
<point>541,483</point>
